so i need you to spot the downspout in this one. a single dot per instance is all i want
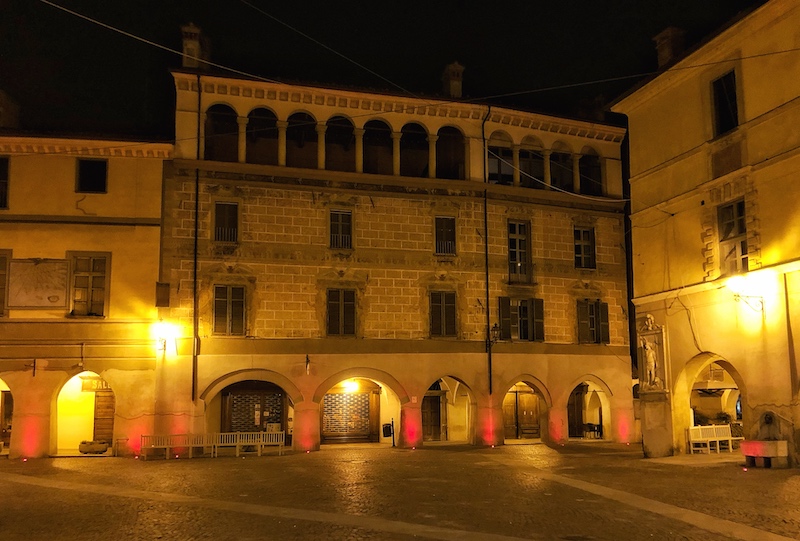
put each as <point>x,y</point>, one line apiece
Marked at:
<point>486,249</point>
<point>195,318</point>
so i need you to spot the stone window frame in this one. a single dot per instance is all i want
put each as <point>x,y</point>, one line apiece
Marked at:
<point>74,275</point>
<point>343,328</point>
<point>341,210</point>
<point>448,318</point>
<point>437,243</point>
<point>229,316</point>
<point>735,240</point>
<point>514,325</point>
<point>229,201</point>
<point>525,277</point>
<point>593,322</point>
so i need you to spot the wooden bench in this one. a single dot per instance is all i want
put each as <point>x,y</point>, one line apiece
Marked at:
<point>211,443</point>
<point>711,437</point>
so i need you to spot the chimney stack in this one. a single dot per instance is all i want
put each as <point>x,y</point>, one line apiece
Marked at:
<point>451,79</point>
<point>669,45</point>
<point>195,47</point>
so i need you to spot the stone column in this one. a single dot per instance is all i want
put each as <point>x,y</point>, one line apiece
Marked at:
<point>174,409</point>
<point>202,142</point>
<point>489,430</point>
<point>321,145</point>
<point>548,180</point>
<point>359,136</point>
<point>34,400</point>
<point>242,146</point>
<point>410,434</point>
<point>396,153</point>
<point>282,125</point>
<point>576,173</point>
<point>432,155</point>
<point>558,424</point>
<point>305,435</point>
<point>515,163</point>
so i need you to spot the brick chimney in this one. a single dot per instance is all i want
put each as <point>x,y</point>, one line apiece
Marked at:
<point>195,47</point>
<point>669,45</point>
<point>451,80</point>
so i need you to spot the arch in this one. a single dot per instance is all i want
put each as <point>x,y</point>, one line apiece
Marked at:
<point>561,175</point>
<point>450,154</point>
<point>377,148</point>
<point>6,414</point>
<point>414,150</point>
<point>682,413</point>
<point>221,134</point>
<point>259,374</point>
<point>533,382</point>
<point>589,408</point>
<point>591,172</point>
<point>526,410</point>
<point>85,410</point>
<point>301,141</point>
<point>449,411</point>
<point>362,373</point>
<point>262,137</point>
<point>340,148</point>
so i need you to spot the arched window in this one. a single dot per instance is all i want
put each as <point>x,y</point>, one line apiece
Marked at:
<point>414,151</point>
<point>262,137</point>
<point>221,134</point>
<point>301,141</point>
<point>450,161</point>
<point>591,172</point>
<point>500,159</point>
<point>340,145</point>
<point>377,148</point>
<point>531,164</point>
<point>561,168</point>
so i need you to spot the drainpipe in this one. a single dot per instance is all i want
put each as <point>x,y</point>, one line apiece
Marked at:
<point>486,249</point>
<point>195,318</point>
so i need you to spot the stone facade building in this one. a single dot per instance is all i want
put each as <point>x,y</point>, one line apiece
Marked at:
<point>714,158</point>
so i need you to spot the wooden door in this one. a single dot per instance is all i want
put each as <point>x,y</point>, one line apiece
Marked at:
<point>575,411</point>
<point>104,416</point>
<point>432,418</point>
<point>510,426</point>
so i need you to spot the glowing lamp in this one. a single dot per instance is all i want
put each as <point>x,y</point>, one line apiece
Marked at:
<point>350,386</point>
<point>165,335</point>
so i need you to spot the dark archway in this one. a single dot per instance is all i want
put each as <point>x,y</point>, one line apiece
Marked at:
<point>221,134</point>
<point>450,154</point>
<point>340,152</point>
<point>591,173</point>
<point>377,148</point>
<point>262,137</point>
<point>414,151</point>
<point>301,141</point>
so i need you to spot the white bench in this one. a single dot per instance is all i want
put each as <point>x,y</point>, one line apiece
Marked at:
<point>711,437</point>
<point>211,443</point>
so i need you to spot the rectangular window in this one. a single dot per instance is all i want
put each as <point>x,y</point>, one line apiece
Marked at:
<point>593,322</point>
<point>226,221</point>
<point>445,235</point>
<point>732,238</point>
<point>518,252</point>
<point>5,257</point>
<point>726,111</point>
<point>89,283</point>
<point>341,312</point>
<point>521,319</point>
<point>229,311</point>
<point>443,313</point>
<point>501,165</point>
<point>92,176</point>
<point>341,229</point>
<point>3,183</point>
<point>584,248</point>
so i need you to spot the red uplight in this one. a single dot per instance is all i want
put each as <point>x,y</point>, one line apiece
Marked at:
<point>24,459</point>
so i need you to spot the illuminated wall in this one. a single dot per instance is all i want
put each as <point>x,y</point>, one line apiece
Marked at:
<point>75,414</point>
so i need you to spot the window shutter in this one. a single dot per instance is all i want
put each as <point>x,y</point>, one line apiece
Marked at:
<point>584,331</point>
<point>505,318</point>
<point>237,311</point>
<point>333,311</point>
<point>349,315</point>
<point>605,333</point>
<point>220,310</point>
<point>537,319</point>
<point>436,313</point>
<point>449,313</point>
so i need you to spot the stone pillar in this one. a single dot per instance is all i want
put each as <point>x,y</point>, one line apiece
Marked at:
<point>321,128</point>
<point>548,180</point>
<point>558,424</point>
<point>34,401</point>
<point>174,409</point>
<point>202,131</point>
<point>359,135</point>
<point>576,173</point>
<point>656,424</point>
<point>282,125</point>
<point>467,162</point>
<point>515,163</point>
<point>396,152</point>
<point>410,434</point>
<point>489,430</point>
<point>306,432</point>
<point>242,146</point>
<point>432,155</point>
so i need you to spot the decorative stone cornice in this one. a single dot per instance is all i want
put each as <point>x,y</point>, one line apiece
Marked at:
<point>10,145</point>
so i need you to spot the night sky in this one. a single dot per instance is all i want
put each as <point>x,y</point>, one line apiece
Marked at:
<point>72,77</point>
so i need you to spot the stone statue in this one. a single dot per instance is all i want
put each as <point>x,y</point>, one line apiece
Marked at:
<point>650,364</point>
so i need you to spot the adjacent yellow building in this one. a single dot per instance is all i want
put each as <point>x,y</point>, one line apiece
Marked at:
<point>713,162</point>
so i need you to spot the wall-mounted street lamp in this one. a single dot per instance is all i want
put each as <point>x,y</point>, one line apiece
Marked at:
<point>494,336</point>
<point>754,303</point>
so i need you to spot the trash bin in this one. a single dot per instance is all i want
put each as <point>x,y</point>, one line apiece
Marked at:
<point>387,430</point>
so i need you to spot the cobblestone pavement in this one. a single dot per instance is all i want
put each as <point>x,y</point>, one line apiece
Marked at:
<point>578,492</point>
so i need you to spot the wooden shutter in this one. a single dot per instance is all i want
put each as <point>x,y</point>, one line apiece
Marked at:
<point>237,311</point>
<point>536,319</point>
<point>605,333</point>
<point>449,313</point>
<point>349,312</point>
<point>505,318</point>
<point>334,321</point>
<point>220,310</point>
<point>584,331</point>
<point>436,313</point>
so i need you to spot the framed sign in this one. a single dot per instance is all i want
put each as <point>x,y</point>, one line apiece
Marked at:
<point>37,283</point>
